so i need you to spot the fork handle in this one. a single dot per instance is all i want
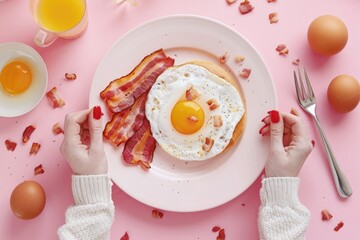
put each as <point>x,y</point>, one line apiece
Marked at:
<point>342,185</point>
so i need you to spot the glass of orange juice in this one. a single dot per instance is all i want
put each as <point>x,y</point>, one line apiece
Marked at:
<point>58,18</point>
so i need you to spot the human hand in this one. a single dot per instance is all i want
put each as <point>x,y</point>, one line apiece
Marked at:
<point>83,143</point>
<point>289,143</point>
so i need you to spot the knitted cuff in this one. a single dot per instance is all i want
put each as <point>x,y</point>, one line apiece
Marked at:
<point>90,189</point>
<point>280,191</point>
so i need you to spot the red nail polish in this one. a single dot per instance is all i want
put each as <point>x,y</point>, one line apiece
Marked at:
<point>97,112</point>
<point>274,116</point>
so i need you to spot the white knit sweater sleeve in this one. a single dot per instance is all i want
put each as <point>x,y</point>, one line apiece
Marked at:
<point>93,213</point>
<point>281,215</point>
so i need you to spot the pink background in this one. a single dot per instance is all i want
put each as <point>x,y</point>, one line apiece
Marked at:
<point>108,22</point>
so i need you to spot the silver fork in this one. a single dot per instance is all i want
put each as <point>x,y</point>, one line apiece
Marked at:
<point>306,100</point>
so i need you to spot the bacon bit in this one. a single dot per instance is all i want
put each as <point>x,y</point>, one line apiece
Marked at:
<point>218,121</point>
<point>39,170</point>
<point>10,145</point>
<point>273,17</point>
<point>239,59</point>
<point>282,49</point>
<point>56,129</point>
<point>245,7</point>
<point>193,119</point>
<point>208,144</point>
<point>70,76</point>
<point>269,1</point>
<point>339,226</point>
<point>27,133</point>
<point>125,236</point>
<point>191,94</point>
<point>326,215</point>
<point>55,97</point>
<point>245,73</point>
<point>296,61</point>
<point>230,1</point>
<point>216,229</point>
<point>313,143</point>
<point>213,104</point>
<point>157,214</point>
<point>221,235</point>
<point>35,147</point>
<point>223,58</point>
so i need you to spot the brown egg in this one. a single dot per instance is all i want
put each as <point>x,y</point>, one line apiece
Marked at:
<point>327,35</point>
<point>344,93</point>
<point>27,200</point>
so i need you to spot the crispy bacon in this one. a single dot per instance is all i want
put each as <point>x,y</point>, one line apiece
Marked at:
<point>123,125</point>
<point>70,76</point>
<point>282,49</point>
<point>27,133</point>
<point>216,229</point>
<point>10,145</point>
<point>245,7</point>
<point>121,93</point>
<point>208,144</point>
<point>213,104</point>
<point>157,214</point>
<point>55,97</point>
<point>273,17</point>
<point>125,236</point>
<point>326,215</point>
<point>57,129</point>
<point>39,170</point>
<point>139,149</point>
<point>191,94</point>
<point>339,226</point>
<point>35,147</point>
<point>218,122</point>
<point>245,73</point>
<point>221,235</point>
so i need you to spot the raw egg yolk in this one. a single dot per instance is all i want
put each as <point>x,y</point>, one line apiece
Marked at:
<point>15,77</point>
<point>187,117</point>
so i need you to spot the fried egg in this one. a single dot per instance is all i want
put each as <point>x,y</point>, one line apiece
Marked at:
<point>183,125</point>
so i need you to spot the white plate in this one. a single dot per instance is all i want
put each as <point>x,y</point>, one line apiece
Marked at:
<point>16,105</point>
<point>173,184</point>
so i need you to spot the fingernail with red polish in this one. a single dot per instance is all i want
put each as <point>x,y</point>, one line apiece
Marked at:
<point>274,116</point>
<point>97,112</point>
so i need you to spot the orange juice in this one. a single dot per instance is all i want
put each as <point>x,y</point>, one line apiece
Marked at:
<point>60,15</point>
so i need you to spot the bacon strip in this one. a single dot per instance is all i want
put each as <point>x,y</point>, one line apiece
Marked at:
<point>139,149</point>
<point>123,125</point>
<point>122,92</point>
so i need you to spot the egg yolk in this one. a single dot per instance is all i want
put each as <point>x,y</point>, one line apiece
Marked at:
<point>187,117</point>
<point>15,77</point>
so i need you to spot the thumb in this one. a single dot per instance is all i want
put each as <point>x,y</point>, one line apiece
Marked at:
<point>95,127</point>
<point>276,129</point>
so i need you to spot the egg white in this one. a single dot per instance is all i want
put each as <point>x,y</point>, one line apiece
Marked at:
<point>169,88</point>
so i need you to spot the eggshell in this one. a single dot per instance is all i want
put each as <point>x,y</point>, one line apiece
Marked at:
<point>344,93</point>
<point>27,200</point>
<point>327,35</point>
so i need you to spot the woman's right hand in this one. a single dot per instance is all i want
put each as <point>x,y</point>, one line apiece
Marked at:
<point>289,143</point>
